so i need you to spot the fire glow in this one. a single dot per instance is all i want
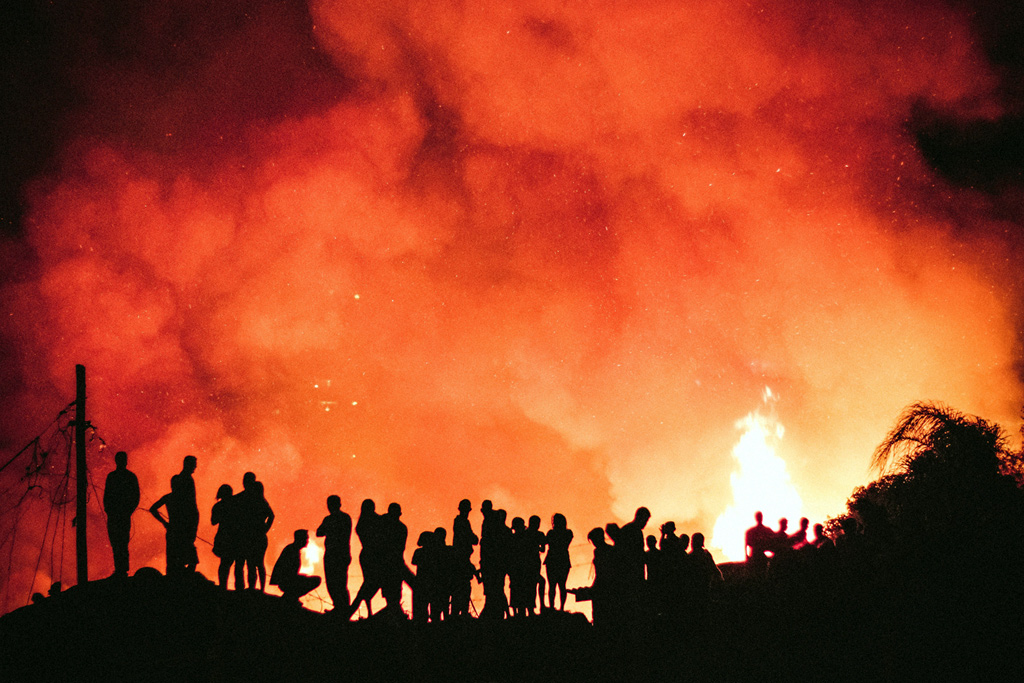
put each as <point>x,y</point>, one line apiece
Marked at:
<point>760,484</point>
<point>545,253</point>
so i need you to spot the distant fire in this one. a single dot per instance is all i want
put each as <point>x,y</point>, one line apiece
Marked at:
<point>760,484</point>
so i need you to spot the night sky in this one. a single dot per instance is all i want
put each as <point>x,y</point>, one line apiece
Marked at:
<point>547,253</point>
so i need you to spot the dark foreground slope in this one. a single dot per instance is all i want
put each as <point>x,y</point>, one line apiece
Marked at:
<point>149,628</point>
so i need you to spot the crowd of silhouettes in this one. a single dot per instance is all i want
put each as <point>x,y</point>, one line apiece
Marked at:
<point>765,547</point>
<point>521,567</point>
<point>918,580</point>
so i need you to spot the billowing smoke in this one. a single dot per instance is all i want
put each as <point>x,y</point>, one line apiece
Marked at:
<point>541,252</point>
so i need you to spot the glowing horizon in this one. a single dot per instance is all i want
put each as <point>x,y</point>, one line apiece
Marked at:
<point>760,484</point>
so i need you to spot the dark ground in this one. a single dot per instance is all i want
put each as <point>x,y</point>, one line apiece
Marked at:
<point>149,628</point>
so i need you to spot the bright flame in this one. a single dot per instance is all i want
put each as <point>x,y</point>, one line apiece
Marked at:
<point>762,482</point>
<point>311,555</point>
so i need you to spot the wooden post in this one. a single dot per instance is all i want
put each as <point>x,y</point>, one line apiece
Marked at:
<point>81,544</point>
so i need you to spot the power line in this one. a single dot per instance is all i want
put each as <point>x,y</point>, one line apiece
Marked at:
<point>37,438</point>
<point>56,438</point>
<point>39,559</point>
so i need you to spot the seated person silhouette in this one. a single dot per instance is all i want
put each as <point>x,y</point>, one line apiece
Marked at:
<point>286,574</point>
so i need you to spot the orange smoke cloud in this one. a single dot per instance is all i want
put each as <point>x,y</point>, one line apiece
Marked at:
<point>546,254</point>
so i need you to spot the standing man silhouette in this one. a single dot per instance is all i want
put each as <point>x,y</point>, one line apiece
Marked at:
<point>336,530</point>
<point>463,541</point>
<point>757,540</point>
<point>463,537</point>
<point>120,498</point>
<point>394,534</point>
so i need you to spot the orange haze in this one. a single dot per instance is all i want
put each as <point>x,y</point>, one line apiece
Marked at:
<point>542,252</point>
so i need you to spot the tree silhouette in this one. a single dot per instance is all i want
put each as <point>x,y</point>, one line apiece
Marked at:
<point>949,481</point>
<point>931,551</point>
<point>929,435</point>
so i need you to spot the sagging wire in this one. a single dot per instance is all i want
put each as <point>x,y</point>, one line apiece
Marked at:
<point>39,558</point>
<point>10,554</point>
<point>39,467</point>
<point>40,435</point>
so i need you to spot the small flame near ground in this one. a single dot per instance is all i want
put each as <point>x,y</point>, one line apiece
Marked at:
<point>311,556</point>
<point>761,482</point>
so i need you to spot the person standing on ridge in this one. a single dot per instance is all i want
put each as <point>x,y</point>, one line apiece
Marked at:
<point>336,530</point>
<point>758,541</point>
<point>182,521</point>
<point>120,498</point>
<point>463,541</point>
<point>394,535</point>
<point>557,562</point>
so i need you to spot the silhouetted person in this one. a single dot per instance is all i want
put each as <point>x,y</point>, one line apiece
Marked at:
<point>652,560</point>
<point>182,521</point>
<point>540,541</point>
<point>629,545</point>
<point>675,568</point>
<point>706,575</point>
<point>370,555</point>
<point>462,570</point>
<point>758,541</point>
<point>503,558</point>
<point>224,516</point>
<point>461,581</point>
<point>487,511</point>
<point>557,562</point>
<point>668,537</point>
<point>684,542</point>
<point>286,574</point>
<point>521,577</point>
<point>798,539</point>
<point>654,587</point>
<point>820,540</point>
<point>673,551</point>
<point>605,591</point>
<point>255,519</point>
<point>493,558</point>
<point>262,541</point>
<point>780,539</point>
<point>120,498</point>
<point>463,537</point>
<point>336,530</point>
<point>487,539</point>
<point>394,535</point>
<point>426,578</point>
<point>440,589</point>
<point>631,541</point>
<point>704,565</point>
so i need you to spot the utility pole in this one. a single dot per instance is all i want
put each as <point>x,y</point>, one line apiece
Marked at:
<point>81,544</point>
